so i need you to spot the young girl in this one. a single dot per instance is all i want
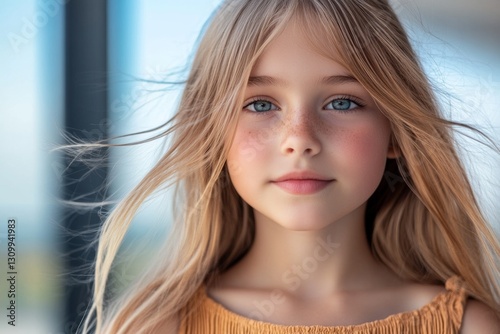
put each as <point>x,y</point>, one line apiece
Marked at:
<point>318,188</point>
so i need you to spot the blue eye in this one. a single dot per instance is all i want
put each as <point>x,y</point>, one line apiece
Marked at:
<point>342,104</point>
<point>260,106</point>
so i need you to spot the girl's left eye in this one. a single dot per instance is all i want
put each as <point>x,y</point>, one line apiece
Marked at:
<point>260,106</point>
<point>342,104</point>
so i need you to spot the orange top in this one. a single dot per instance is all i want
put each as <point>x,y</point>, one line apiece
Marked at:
<point>442,315</point>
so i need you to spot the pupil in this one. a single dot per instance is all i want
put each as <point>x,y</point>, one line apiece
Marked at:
<point>263,106</point>
<point>341,104</point>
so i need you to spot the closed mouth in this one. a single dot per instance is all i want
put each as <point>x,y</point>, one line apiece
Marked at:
<point>302,186</point>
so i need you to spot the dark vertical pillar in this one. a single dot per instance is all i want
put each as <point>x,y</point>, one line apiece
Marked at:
<point>85,117</point>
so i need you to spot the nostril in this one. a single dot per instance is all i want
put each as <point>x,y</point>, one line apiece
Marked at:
<point>300,138</point>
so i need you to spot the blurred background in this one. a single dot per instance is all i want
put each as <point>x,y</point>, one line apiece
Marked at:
<point>91,68</point>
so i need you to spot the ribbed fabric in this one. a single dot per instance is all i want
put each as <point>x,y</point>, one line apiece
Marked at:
<point>442,315</point>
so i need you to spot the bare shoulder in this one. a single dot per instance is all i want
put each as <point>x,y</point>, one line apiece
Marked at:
<point>479,318</point>
<point>169,326</point>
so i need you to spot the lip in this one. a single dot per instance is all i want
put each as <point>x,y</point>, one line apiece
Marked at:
<point>302,183</point>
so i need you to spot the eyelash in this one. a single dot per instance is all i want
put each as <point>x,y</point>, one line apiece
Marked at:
<point>258,99</point>
<point>349,98</point>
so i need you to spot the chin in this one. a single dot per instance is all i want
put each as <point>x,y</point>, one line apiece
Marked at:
<point>302,225</point>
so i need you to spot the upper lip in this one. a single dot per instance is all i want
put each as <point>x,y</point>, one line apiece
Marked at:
<point>302,175</point>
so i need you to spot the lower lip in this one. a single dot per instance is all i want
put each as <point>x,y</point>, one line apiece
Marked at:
<point>302,187</point>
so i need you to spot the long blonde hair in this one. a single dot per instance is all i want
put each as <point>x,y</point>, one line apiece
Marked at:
<point>424,224</point>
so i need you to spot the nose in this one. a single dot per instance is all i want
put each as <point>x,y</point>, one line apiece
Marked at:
<point>300,135</point>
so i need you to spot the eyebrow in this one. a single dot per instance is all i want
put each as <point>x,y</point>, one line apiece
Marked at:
<point>264,80</point>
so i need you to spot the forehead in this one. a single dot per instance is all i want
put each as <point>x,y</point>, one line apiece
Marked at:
<point>297,46</point>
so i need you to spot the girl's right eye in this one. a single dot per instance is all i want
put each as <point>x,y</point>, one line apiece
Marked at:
<point>260,106</point>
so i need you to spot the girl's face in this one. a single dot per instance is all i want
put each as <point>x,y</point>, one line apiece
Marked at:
<point>310,146</point>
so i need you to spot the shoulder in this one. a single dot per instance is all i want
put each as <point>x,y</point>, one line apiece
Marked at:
<point>479,318</point>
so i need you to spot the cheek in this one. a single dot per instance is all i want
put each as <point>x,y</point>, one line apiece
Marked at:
<point>365,153</point>
<point>249,148</point>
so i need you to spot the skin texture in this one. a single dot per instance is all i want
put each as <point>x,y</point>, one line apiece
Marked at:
<point>349,147</point>
<point>479,318</point>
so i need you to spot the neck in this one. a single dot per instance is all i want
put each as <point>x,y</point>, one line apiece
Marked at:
<point>309,264</point>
